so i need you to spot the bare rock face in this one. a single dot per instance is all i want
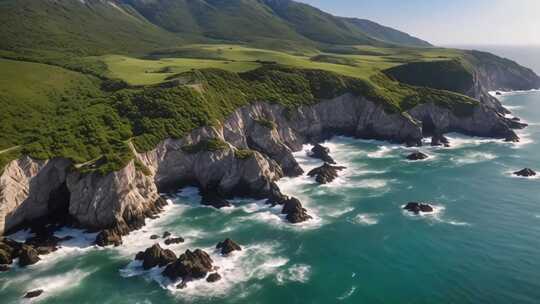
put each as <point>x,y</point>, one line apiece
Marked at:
<point>156,256</point>
<point>326,173</point>
<point>322,153</point>
<point>228,246</point>
<point>416,208</point>
<point>25,189</point>
<point>120,202</point>
<point>295,212</point>
<point>525,173</point>
<point>189,266</point>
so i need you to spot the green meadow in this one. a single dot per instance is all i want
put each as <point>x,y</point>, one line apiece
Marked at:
<point>69,109</point>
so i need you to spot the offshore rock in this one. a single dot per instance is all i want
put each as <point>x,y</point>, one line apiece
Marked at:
<point>213,277</point>
<point>33,294</point>
<point>155,256</point>
<point>322,153</point>
<point>439,140</point>
<point>295,211</point>
<point>228,246</point>
<point>176,240</point>
<point>416,208</point>
<point>189,266</point>
<point>326,173</point>
<point>525,173</point>
<point>417,156</point>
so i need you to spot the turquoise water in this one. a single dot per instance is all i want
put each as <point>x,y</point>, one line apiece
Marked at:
<point>482,245</point>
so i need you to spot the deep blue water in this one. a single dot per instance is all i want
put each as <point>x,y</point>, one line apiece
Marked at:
<point>482,245</point>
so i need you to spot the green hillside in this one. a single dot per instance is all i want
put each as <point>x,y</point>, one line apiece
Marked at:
<point>452,75</point>
<point>46,28</point>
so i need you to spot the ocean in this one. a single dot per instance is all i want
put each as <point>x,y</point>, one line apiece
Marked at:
<point>481,245</point>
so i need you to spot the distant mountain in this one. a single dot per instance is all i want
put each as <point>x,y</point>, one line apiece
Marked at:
<point>100,26</point>
<point>387,34</point>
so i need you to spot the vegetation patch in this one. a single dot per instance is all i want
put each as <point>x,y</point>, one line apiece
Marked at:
<point>244,154</point>
<point>266,123</point>
<point>208,145</point>
<point>443,75</point>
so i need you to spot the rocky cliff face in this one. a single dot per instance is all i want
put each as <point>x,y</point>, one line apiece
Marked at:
<point>121,200</point>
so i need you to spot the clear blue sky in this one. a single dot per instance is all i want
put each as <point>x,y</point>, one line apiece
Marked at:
<point>445,22</point>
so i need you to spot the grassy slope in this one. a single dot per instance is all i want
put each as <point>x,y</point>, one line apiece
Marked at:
<point>51,111</point>
<point>237,58</point>
<point>46,28</point>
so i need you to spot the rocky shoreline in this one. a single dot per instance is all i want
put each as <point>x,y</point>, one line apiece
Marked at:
<point>119,202</point>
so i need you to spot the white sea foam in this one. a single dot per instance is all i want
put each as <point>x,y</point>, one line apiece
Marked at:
<point>253,262</point>
<point>347,294</point>
<point>384,151</point>
<point>434,217</point>
<point>339,212</point>
<point>366,219</point>
<point>460,141</point>
<point>473,157</point>
<point>53,285</point>
<point>296,273</point>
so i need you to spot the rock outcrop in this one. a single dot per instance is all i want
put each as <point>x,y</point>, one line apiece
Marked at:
<point>156,256</point>
<point>119,202</point>
<point>33,294</point>
<point>439,140</point>
<point>213,277</point>
<point>326,173</point>
<point>525,173</point>
<point>228,246</point>
<point>417,156</point>
<point>416,208</point>
<point>192,265</point>
<point>322,153</point>
<point>294,211</point>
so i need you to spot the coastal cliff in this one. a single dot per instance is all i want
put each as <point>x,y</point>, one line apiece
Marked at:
<point>252,149</point>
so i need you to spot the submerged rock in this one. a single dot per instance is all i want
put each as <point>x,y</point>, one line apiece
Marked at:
<point>155,256</point>
<point>498,93</point>
<point>33,293</point>
<point>191,265</point>
<point>295,212</point>
<point>228,246</point>
<point>417,156</point>
<point>322,153</point>
<point>416,208</point>
<point>211,198</point>
<point>44,243</point>
<point>28,256</point>
<point>4,268</point>
<point>525,172</point>
<point>166,234</point>
<point>154,237</point>
<point>108,237</point>
<point>326,173</point>
<point>439,140</point>
<point>176,240</point>
<point>213,277</point>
